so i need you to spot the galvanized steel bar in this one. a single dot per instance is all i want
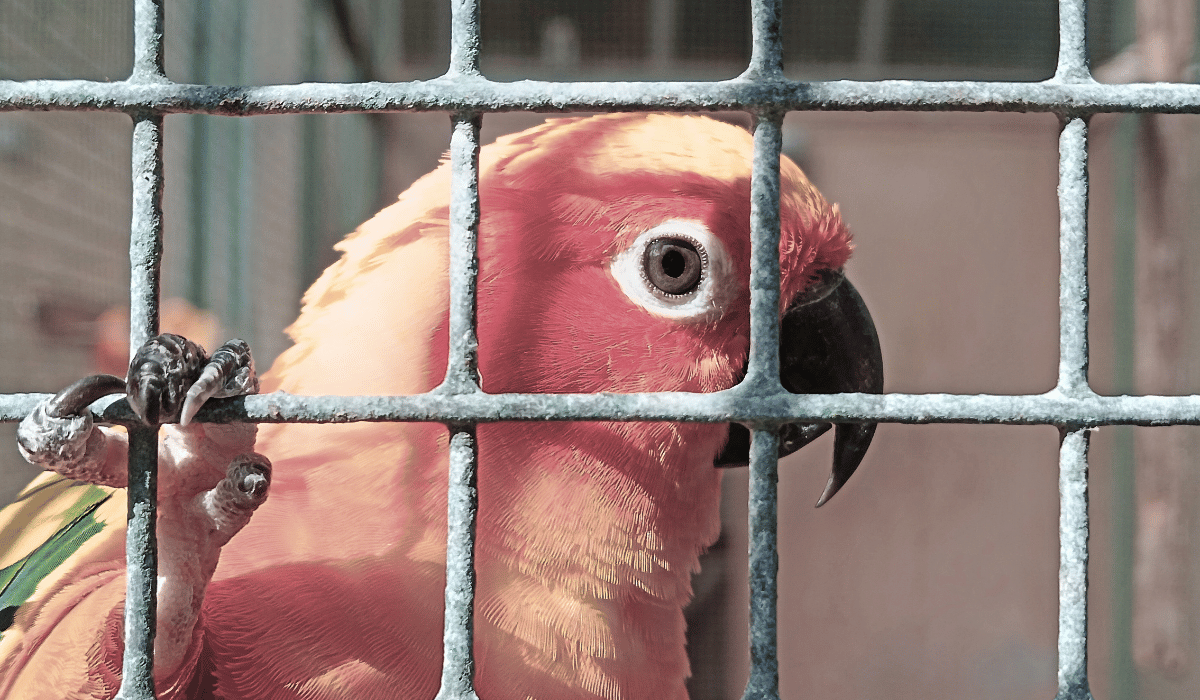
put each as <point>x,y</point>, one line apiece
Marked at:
<point>474,93</point>
<point>141,548</point>
<point>458,660</point>
<point>1072,42</point>
<point>462,377</point>
<point>1072,245</point>
<point>1052,408</point>
<point>1073,566</point>
<point>462,369</point>
<point>766,47</point>
<point>764,566</point>
<point>141,552</point>
<point>148,23</point>
<point>141,568</point>
<point>762,369</point>
<point>464,37</point>
<point>1073,362</point>
<point>145,260</point>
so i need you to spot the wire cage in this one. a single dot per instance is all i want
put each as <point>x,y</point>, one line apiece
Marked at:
<point>760,402</point>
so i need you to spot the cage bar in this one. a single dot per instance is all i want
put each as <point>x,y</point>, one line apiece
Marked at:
<point>1052,408</point>
<point>1072,245</point>
<point>145,260</point>
<point>476,93</point>
<point>458,659</point>
<point>763,683</point>
<point>462,378</point>
<point>1072,42</point>
<point>1073,566</point>
<point>762,368</point>
<point>1073,360</point>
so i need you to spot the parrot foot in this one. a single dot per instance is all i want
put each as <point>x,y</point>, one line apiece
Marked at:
<point>192,530</point>
<point>171,377</point>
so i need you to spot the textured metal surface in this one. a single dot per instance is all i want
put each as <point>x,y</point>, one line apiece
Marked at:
<point>458,662</point>
<point>457,93</point>
<point>145,262</point>
<point>1072,247</point>
<point>759,401</point>
<point>462,372</point>
<point>763,683</point>
<point>1052,408</point>
<point>1073,566</point>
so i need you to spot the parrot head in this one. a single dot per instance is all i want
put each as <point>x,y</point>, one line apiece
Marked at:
<point>635,232</point>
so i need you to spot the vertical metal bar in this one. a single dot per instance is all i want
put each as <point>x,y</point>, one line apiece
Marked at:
<point>464,37</point>
<point>1073,284</point>
<point>1073,362</point>
<point>1073,566</point>
<point>458,660</point>
<point>1072,41</point>
<point>764,566</point>
<point>141,547</point>
<point>148,41</point>
<point>145,260</point>
<point>462,369</point>
<point>141,553</point>
<point>762,370</point>
<point>766,49</point>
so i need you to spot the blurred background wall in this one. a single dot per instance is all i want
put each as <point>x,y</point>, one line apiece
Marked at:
<point>934,573</point>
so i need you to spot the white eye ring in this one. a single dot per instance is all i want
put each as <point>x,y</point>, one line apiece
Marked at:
<point>706,302</point>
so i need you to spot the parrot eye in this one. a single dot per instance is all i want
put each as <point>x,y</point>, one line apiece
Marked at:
<point>673,265</point>
<point>677,270</point>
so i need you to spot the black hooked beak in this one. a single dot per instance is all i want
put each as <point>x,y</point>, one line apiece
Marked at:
<point>827,345</point>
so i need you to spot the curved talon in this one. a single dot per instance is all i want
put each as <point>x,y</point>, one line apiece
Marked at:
<point>78,396</point>
<point>230,372</point>
<point>159,375</point>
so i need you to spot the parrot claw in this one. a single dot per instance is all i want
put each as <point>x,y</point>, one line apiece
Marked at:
<point>230,372</point>
<point>171,377</point>
<point>231,502</point>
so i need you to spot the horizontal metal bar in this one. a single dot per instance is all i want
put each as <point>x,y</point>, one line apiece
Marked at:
<point>467,92</point>
<point>1052,408</point>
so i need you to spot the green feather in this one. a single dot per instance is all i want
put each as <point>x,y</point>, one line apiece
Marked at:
<point>19,580</point>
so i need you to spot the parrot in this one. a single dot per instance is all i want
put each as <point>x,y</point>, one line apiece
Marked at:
<point>308,561</point>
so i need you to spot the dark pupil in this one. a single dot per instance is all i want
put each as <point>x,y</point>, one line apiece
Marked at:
<point>673,265</point>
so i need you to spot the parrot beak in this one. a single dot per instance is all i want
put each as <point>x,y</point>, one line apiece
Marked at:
<point>828,345</point>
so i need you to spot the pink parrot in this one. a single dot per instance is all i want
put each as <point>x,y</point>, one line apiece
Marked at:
<point>614,257</point>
